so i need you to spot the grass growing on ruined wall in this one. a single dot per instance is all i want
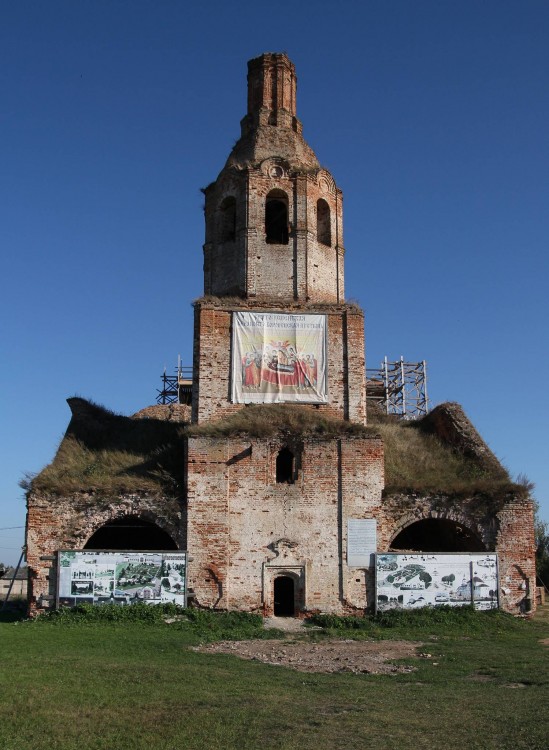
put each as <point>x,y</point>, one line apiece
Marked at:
<point>114,454</point>
<point>125,686</point>
<point>420,463</point>
<point>265,420</point>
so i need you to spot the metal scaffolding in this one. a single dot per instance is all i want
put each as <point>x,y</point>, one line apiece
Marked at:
<point>400,388</point>
<point>176,389</point>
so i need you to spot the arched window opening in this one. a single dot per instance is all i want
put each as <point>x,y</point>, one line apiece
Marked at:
<point>130,533</point>
<point>276,218</point>
<point>284,596</point>
<point>227,220</point>
<point>323,223</point>
<point>437,535</point>
<point>285,467</point>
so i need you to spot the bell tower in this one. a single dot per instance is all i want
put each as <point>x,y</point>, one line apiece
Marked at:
<point>274,225</point>
<point>273,257</point>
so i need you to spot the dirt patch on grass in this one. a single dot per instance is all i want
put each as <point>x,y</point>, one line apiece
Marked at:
<point>357,657</point>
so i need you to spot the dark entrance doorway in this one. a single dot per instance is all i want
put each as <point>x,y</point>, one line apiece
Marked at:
<point>284,596</point>
<point>285,466</point>
<point>130,533</point>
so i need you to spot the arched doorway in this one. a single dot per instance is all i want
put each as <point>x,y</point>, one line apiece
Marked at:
<point>284,596</point>
<point>130,533</point>
<point>437,535</point>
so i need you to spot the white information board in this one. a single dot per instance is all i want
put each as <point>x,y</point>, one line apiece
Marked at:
<point>108,577</point>
<point>421,579</point>
<point>361,542</point>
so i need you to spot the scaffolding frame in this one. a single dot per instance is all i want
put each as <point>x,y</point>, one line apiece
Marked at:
<point>400,388</point>
<point>176,389</point>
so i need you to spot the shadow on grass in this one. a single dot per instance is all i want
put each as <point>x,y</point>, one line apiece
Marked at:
<point>13,614</point>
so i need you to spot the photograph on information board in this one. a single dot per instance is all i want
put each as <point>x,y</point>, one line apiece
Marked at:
<point>279,357</point>
<point>415,580</point>
<point>108,577</point>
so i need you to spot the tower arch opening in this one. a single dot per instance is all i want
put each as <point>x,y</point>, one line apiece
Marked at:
<point>130,533</point>
<point>276,218</point>
<point>437,535</point>
<point>323,222</point>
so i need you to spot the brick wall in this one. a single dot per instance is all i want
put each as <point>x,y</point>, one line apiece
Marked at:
<point>517,550</point>
<point>55,522</point>
<point>212,357</point>
<point>244,528</point>
<point>506,528</point>
<point>305,268</point>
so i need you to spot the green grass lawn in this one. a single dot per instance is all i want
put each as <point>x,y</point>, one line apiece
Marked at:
<point>122,685</point>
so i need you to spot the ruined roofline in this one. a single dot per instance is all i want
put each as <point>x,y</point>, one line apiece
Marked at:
<point>450,424</point>
<point>268,304</point>
<point>110,454</point>
<point>273,420</point>
<point>447,421</point>
<point>270,126</point>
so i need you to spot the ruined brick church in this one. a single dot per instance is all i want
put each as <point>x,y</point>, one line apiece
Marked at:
<point>275,464</point>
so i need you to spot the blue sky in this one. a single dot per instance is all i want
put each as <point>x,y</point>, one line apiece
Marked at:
<point>432,117</point>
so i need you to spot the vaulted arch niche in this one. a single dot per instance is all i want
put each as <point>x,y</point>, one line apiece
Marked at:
<point>437,535</point>
<point>323,222</point>
<point>227,220</point>
<point>130,533</point>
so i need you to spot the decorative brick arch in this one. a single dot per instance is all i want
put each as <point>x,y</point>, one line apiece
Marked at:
<point>326,182</point>
<point>275,167</point>
<point>453,515</point>
<point>288,572</point>
<point>296,573</point>
<point>103,518</point>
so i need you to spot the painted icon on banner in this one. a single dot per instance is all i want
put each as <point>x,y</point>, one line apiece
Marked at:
<point>278,357</point>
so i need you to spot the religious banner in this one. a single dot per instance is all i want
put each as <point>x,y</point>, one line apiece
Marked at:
<point>279,357</point>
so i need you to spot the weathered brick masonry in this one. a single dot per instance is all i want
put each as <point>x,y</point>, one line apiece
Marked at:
<point>250,529</point>
<point>274,244</point>
<point>212,357</point>
<point>55,522</point>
